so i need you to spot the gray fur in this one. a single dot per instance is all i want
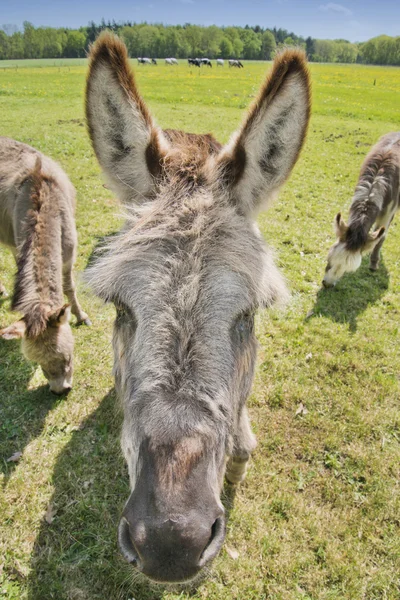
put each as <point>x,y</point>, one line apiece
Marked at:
<point>186,274</point>
<point>37,204</point>
<point>375,202</point>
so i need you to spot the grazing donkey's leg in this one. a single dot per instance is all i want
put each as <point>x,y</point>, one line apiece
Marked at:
<point>3,291</point>
<point>70,291</point>
<point>385,222</point>
<point>244,444</point>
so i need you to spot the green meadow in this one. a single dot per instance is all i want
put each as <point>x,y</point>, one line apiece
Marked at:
<point>318,517</point>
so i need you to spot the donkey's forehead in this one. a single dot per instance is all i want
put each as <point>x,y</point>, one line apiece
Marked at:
<point>216,289</point>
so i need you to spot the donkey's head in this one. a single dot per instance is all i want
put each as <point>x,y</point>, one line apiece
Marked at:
<point>47,339</point>
<point>346,253</point>
<point>186,275</point>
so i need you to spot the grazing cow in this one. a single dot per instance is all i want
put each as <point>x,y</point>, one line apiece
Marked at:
<point>144,61</point>
<point>220,62</point>
<point>186,275</point>
<point>171,61</point>
<point>236,63</point>
<point>153,61</point>
<point>37,203</point>
<point>194,62</point>
<point>375,202</point>
<point>206,62</point>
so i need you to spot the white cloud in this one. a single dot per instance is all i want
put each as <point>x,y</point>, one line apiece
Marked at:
<point>331,6</point>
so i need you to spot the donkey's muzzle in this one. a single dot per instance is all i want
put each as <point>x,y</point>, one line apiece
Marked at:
<point>171,550</point>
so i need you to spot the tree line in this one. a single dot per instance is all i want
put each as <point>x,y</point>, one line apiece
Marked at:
<point>183,41</point>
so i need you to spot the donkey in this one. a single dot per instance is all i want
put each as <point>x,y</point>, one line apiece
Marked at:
<point>375,202</point>
<point>186,275</point>
<point>37,203</point>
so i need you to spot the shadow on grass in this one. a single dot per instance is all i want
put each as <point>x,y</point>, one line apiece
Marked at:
<point>352,295</point>
<point>22,411</point>
<point>76,557</point>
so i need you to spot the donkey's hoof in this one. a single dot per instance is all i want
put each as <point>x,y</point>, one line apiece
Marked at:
<point>85,321</point>
<point>373,266</point>
<point>234,479</point>
<point>236,470</point>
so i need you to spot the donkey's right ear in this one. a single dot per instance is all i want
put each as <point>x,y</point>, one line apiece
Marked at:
<point>128,144</point>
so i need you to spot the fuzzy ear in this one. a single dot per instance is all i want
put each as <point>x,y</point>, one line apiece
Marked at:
<point>60,316</point>
<point>340,226</point>
<point>261,155</point>
<point>128,144</point>
<point>373,239</point>
<point>15,331</point>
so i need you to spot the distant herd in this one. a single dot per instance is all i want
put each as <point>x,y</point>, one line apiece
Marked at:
<point>186,274</point>
<point>194,62</point>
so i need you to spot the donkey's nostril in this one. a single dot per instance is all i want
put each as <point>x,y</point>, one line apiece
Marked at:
<point>214,544</point>
<point>126,544</point>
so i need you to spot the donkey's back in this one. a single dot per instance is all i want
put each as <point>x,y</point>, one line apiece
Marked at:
<point>17,163</point>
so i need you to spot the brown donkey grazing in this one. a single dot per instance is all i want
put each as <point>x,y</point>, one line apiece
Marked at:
<point>186,274</point>
<point>37,203</point>
<point>375,202</point>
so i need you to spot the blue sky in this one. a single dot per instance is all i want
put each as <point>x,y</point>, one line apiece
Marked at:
<point>355,20</point>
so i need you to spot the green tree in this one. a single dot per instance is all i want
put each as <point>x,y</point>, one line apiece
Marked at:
<point>310,48</point>
<point>268,45</point>
<point>130,36</point>
<point>75,45</point>
<point>4,46</point>
<point>289,41</point>
<point>193,38</point>
<point>226,47</point>
<point>210,41</point>
<point>33,41</point>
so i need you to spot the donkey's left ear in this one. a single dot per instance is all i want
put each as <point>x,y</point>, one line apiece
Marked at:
<point>128,144</point>
<point>15,331</point>
<point>261,155</point>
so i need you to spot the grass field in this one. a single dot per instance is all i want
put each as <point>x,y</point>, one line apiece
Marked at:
<point>318,516</point>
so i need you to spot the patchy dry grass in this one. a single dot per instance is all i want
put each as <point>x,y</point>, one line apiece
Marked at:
<point>318,517</point>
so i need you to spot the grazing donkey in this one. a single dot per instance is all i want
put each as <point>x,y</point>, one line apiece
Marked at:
<point>186,275</point>
<point>37,203</point>
<point>375,202</point>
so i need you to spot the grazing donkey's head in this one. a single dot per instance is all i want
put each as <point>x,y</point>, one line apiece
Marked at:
<point>186,274</point>
<point>346,253</point>
<point>38,293</point>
